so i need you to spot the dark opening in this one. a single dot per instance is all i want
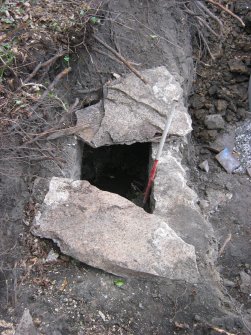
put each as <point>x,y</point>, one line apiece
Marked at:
<point>121,169</point>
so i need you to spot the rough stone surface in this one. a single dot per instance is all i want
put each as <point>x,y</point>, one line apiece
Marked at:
<point>175,200</point>
<point>107,231</point>
<point>135,112</point>
<point>214,121</point>
<point>26,325</point>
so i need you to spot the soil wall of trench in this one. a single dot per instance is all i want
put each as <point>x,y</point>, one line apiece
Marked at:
<point>68,297</point>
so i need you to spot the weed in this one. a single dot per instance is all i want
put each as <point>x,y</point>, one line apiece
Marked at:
<point>6,57</point>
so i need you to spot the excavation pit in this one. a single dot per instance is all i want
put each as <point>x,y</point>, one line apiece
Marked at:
<point>120,169</point>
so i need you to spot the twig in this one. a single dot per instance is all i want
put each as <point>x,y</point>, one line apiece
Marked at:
<point>206,10</point>
<point>7,292</point>
<point>207,46</point>
<point>121,58</point>
<point>227,11</point>
<point>228,239</point>
<point>106,54</point>
<point>66,132</point>
<point>51,86</point>
<point>221,331</point>
<point>15,285</point>
<point>201,21</point>
<point>45,64</point>
<point>73,106</point>
<point>55,129</point>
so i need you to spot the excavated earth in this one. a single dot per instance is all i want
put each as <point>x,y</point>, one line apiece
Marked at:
<point>207,214</point>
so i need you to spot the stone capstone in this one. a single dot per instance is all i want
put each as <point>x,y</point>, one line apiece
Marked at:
<point>135,112</point>
<point>109,232</point>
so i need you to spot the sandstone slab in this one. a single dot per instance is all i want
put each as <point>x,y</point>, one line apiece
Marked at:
<point>175,200</point>
<point>109,232</point>
<point>134,112</point>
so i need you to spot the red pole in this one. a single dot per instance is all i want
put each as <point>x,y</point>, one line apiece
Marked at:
<point>150,181</point>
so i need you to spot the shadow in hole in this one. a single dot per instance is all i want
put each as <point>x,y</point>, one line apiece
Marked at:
<point>121,169</point>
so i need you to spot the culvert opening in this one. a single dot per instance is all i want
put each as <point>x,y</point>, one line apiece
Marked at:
<point>121,169</point>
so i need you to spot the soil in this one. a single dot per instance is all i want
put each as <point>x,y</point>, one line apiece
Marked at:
<point>67,297</point>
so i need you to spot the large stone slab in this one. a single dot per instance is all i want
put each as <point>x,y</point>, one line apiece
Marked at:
<point>172,198</point>
<point>109,232</point>
<point>135,112</point>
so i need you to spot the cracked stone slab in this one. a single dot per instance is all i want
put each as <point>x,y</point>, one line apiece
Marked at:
<point>109,232</point>
<point>134,112</point>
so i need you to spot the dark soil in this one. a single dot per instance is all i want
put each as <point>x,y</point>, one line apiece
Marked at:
<point>67,297</point>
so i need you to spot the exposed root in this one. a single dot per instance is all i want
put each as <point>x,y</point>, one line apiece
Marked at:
<point>207,11</point>
<point>227,11</point>
<point>228,239</point>
<point>45,64</point>
<point>51,86</point>
<point>122,59</point>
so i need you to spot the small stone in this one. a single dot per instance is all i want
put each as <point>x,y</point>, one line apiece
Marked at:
<point>227,76</point>
<point>212,90</point>
<point>102,315</point>
<point>214,121</point>
<point>221,105</point>
<point>197,101</point>
<point>204,166</point>
<point>197,318</point>
<point>199,114</point>
<point>230,116</point>
<point>141,306</point>
<point>208,135</point>
<point>237,66</point>
<point>249,171</point>
<point>52,256</point>
<point>227,160</point>
<point>242,113</point>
